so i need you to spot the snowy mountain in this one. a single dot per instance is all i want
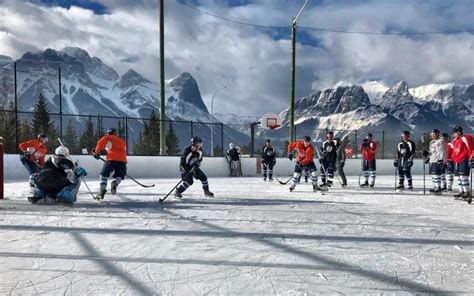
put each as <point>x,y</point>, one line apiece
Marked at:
<point>393,109</point>
<point>240,123</point>
<point>91,87</point>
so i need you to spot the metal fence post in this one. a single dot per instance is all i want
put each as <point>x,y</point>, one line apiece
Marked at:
<point>126,133</point>
<point>60,105</point>
<point>222,138</point>
<point>383,144</point>
<point>16,107</point>
<point>192,130</point>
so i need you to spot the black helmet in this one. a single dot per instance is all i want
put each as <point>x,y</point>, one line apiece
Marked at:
<point>111,131</point>
<point>330,133</point>
<point>196,140</point>
<point>369,135</point>
<point>406,133</point>
<point>306,139</point>
<point>268,141</point>
<point>42,135</point>
<point>436,131</point>
<point>457,129</point>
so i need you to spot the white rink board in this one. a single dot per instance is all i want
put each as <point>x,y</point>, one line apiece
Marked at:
<point>167,166</point>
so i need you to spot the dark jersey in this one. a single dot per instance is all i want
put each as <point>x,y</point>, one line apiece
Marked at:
<point>53,177</point>
<point>328,149</point>
<point>406,150</point>
<point>268,154</point>
<point>189,158</point>
<point>233,154</point>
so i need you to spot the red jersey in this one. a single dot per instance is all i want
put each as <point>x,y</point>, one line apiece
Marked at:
<point>449,151</point>
<point>115,146</point>
<point>371,151</point>
<point>36,148</point>
<point>305,154</point>
<point>462,148</point>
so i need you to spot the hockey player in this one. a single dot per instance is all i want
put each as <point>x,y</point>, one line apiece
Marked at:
<point>328,159</point>
<point>189,168</point>
<point>304,160</point>
<point>268,160</point>
<point>436,158</point>
<point>405,152</point>
<point>233,158</point>
<point>462,157</point>
<point>449,167</point>
<point>341,161</point>
<point>369,152</point>
<point>116,161</point>
<point>59,180</point>
<point>34,152</point>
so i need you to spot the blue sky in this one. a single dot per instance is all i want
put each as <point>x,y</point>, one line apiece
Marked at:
<point>254,62</point>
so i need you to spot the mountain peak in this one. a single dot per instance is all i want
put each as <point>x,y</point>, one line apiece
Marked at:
<point>77,53</point>
<point>185,86</point>
<point>5,60</point>
<point>131,78</point>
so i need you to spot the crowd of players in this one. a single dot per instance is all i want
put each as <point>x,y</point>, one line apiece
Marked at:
<point>59,178</point>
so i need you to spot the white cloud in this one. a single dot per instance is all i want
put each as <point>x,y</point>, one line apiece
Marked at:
<point>254,67</point>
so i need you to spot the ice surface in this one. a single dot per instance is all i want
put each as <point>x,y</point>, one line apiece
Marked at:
<point>253,238</point>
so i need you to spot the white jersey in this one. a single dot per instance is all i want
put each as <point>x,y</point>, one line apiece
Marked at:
<point>437,150</point>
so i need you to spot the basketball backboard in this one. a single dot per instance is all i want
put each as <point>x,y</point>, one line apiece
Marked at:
<point>270,121</point>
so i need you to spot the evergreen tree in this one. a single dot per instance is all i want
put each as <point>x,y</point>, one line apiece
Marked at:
<point>24,131</point>
<point>7,130</point>
<point>70,139</point>
<point>89,137</point>
<point>172,141</point>
<point>42,123</point>
<point>148,140</point>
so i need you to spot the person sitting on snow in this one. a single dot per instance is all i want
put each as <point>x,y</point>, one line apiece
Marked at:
<point>59,180</point>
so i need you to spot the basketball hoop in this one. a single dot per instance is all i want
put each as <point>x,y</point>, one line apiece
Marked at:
<point>270,121</point>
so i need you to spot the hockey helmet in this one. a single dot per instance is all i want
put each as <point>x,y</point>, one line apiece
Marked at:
<point>112,131</point>
<point>268,141</point>
<point>42,136</point>
<point>406,133</point>
<point>457,129</point>
<point>306,139</point>
<point>62,150</point>
<point>369,135</point>
<point>436,131</point>
<point>196,141</point>
<point>231,145</point>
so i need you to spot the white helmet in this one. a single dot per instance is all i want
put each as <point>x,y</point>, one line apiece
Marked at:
<point>231,145</point>
<point>62,150</point>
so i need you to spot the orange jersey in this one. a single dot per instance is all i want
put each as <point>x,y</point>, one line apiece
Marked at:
<point>305,154</point>
<point>116,148</point>
<point>39,152</point>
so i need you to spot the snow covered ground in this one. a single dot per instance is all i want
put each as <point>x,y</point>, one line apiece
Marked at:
<point>253,238</point>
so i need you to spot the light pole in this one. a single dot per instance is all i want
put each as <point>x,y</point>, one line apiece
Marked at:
<point>212,119</point>
<point>293,58</point>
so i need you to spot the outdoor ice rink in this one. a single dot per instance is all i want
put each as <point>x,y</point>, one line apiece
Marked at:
<point>253,238</point>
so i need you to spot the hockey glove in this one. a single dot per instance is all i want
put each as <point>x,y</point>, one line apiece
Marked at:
<point>290,156</point>
<point>342,164</point>
<point>197,164</point>
<point>300,164</point>
<point>427,160</point>
<point>450,166</point>
<point>80,172</point>
<point>395,163</point>
<point>426,153</point>
<point>410,163</point>
<point>95,154</point>
<point>27,155</point>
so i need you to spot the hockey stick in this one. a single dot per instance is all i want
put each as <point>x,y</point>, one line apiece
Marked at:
<point>128,176</point>
<point>175,186</point>
<point>284,182</point>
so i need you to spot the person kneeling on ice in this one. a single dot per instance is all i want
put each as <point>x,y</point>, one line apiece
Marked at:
<point>189,168</point>
<point>304,160</point>
<point>59,180</point>
<point>116,161</point>
<point>34,152</point>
